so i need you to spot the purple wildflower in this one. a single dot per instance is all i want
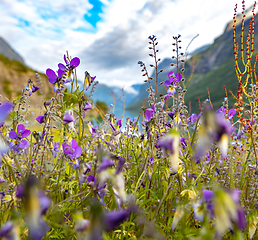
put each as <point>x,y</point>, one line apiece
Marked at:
<point>148,114</point>
<point>215,129</point>
<point>53,78</point>
<point>2,194</point>
<point>114,218</point>
<point>172,79</point>
<point>84,168</point>
<point>70,65</point>
<point>87,106</point>
<point>5,109</point>
<point>41,119</point>
<point>207,195</point>
<point>56,148</point>
<point>106,163</point>
<point>183,142</point>
<point>192,118</point>
<point>19,135</point>
<point>68,117</point>
<point>231,113</point>
<point>170,146</point>
<point>31,87</point>
<point>44,202</point>
<point>73,151</point>
<point>9,231</point>
<point>20,191</point>
<point>91,128</point>
<point>91,180</point>
<point>88,80</point>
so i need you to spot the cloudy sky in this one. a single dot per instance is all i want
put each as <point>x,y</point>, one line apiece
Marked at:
<point>109,36</point>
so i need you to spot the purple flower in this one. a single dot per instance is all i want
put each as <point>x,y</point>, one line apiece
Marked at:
<point>87,106</point>
<point>70,65</point>
<point>215,129</point>
<point>9,231</point>
<point>148,114</point>
<point>172,79</point>
<point>56,148</point>
<point>91,128</point>
<point>114,218</point>
<point>2,194</point>
<point>170,146</point>
<point>44,202</point>
<point>37,232</point>
<point>231,113</point>
<point>106,163</point>
<point>88,80</point>
<point>183,142</point>
<point>192,118</point>
<point>120,165</point>
<point>53,78</point>
<point>241,221</point>
<point>73,151</point>
<point>166,144</point>
<point>20,191</point>
<point>221,110</point>
<point>207,195</point>
<point>5,109</point>
<point>119,122</point>
<point>91,180</point>
<point>68,117</point>
<point>31,88</point>
<point>19,135</point>
<point>74,63</point>
<point>42,119</point>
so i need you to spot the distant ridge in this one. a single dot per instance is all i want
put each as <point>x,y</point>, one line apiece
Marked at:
<point>8,51</point>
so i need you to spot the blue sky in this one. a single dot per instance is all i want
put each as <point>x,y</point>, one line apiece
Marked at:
<point>109,36</point>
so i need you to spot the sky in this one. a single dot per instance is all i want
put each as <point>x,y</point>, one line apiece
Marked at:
<point>109,36</point>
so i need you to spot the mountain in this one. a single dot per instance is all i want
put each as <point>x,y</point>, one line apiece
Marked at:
<point>7,51</point>
<point>14,76</point>
<point>213,68</point>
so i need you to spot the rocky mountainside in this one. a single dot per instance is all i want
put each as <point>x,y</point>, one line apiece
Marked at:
<point>14,76</point>
<point>6,50</point>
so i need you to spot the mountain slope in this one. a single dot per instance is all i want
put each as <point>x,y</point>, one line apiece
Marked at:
<point>7,50</point>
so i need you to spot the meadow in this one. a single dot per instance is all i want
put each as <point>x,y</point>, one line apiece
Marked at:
<point>173,175</point>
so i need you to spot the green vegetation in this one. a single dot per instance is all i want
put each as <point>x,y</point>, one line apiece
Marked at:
<point>14,64</point>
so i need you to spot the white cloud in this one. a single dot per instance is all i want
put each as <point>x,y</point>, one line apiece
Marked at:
<point>111,52</point>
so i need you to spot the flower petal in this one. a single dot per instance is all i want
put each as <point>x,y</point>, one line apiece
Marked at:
<point>74,144</point>
<point>13,135</point>
<point>5,108</point>
<point>207,195</point>
<point>20,128</point>
<point>60,73</point>
<point>167,83</point>
<point>77,152</point>
<point>75,62</point>
<point>50,73</point>
<point>65,59</point>
<point>40,119</point>
<point>61,66</point>
<point>25,133</point>
<point>68,118</point>
<point>148,114</point>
